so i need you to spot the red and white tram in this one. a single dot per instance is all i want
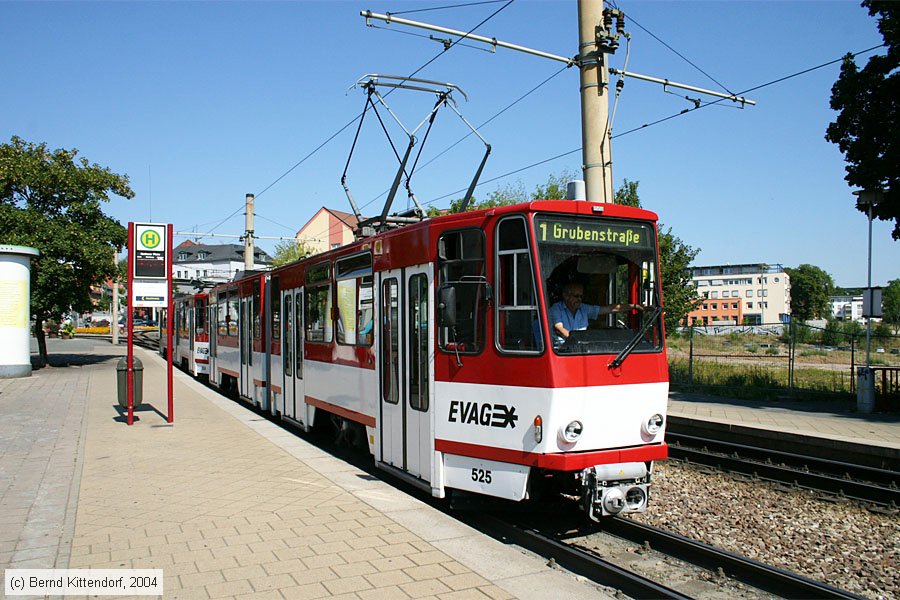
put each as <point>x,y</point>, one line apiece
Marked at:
<point>190,335</point>
<point>432,344</point>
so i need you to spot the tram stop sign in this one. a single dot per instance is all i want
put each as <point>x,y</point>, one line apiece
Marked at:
<point>150,277</point>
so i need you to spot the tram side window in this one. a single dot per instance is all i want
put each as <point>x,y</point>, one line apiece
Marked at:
<point>234,309</point>
<point>462,267</point>
<point>354,299</point>
<point>318,304</point>
<point>257,329</point>
<point>222,315</point>
<point>182,321</point>
<point>275,308</point>
<point>418,342</point>
<point>288,326</point>
<point>200,318</point>
<point>518,325</point>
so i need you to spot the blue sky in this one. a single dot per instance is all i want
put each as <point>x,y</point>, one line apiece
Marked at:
<point>202,102</point>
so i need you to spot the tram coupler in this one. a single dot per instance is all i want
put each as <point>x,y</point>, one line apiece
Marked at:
<point>615,489</point>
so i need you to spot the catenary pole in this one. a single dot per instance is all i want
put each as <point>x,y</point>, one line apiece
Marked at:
<point>248,234</point>
<point>595,147</point>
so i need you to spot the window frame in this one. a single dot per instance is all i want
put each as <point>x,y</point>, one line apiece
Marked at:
<point>361,276</point>
<point>479,327</point>
<point>534,308</point>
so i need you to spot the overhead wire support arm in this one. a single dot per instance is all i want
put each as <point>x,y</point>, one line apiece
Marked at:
<point>494,42</point>
<point>683,86</point>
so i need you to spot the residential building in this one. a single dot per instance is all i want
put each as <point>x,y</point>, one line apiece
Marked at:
<point>761,291</point>
<point>726,311</point>
<point>213,263</point>
<point>328,229</point>
<point>847,308</point>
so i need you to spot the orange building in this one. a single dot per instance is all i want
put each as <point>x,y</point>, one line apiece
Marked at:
<point>713,312</point>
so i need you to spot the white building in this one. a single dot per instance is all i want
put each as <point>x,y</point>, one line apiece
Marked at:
<point>764,289</point>
<point>847,308</point>
<point>213,263</point>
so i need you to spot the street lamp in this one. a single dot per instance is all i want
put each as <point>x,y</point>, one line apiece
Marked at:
<point>866,200</point>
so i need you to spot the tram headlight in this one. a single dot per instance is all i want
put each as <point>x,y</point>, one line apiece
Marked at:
<point>653,425</point>
<point>538,429</point>
<point>571,432</point>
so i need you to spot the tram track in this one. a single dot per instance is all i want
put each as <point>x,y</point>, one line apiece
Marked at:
<point>566,546</point>
<point>837,479</point>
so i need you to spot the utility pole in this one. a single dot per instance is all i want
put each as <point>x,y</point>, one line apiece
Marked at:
<point>594,42</point>
<point>248,234</point>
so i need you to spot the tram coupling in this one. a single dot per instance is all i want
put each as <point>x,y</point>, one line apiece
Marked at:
<point>615,489</point>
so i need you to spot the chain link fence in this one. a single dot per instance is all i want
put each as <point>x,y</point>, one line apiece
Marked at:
<point>774,360</point>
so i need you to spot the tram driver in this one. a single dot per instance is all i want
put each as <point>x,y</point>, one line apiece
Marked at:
<point>571,314</point>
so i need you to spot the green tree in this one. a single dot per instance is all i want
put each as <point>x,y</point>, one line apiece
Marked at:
<point>832,336</point>
<point>627,194</point>
<point>851,329</point>
<point>882,332</point>
<point>810,290</point>
<point>290,251</point>
<point>869,103</point>
<point>50,200</point>
<point>890,302</point>
<point>555,188</point>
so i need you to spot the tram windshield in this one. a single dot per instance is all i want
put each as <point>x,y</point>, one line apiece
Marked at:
<point>601,282</point>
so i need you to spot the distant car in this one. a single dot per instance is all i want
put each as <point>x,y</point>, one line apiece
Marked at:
<point>895,350</point>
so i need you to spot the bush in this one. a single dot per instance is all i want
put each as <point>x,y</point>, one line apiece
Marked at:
<point>95,330</point>
<point>772,350</point>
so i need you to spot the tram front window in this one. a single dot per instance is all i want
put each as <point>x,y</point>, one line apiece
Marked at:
<point>602,284</point>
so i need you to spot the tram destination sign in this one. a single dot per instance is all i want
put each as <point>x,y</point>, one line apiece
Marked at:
<point>602,233</point>
<point>150,251</point>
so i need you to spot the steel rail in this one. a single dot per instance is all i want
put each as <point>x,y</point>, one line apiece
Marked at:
<point>751,572</point>
<point>572,558</point>
<point>865,483</point>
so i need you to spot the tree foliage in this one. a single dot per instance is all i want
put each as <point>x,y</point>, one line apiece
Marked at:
<point>869,103</point>
<point>811,288</point>
<point>290,251</point>
<point>50,200</point>
<point>890,302</point>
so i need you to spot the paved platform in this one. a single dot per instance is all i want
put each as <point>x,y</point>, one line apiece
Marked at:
<point>827,419</point>
<point>827,424</point>
<point>228,504</point>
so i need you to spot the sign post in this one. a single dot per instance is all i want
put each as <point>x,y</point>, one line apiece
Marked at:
<point>149,286</point>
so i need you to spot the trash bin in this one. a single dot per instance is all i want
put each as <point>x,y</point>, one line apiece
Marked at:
<point>122,381</point>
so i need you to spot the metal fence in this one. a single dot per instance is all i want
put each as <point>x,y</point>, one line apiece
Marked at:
<point>777,359</point>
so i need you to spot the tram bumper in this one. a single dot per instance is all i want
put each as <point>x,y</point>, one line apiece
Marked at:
<point>615,489</point>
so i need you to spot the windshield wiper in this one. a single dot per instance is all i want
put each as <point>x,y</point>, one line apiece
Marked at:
<point>618,360</point>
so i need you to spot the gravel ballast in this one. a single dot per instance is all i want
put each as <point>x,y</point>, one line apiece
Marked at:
<point>842,544</point>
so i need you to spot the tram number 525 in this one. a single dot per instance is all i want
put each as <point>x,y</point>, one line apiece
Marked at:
<point>481,475</point>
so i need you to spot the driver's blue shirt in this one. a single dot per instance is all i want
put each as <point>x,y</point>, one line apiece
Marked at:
<point>560,313</point>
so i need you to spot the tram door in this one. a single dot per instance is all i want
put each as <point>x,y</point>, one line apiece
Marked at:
<point>407,370</point>
<point>292,354</point>
<point>246,342</point>
<point>213,330</point>
<point>191,324</point>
